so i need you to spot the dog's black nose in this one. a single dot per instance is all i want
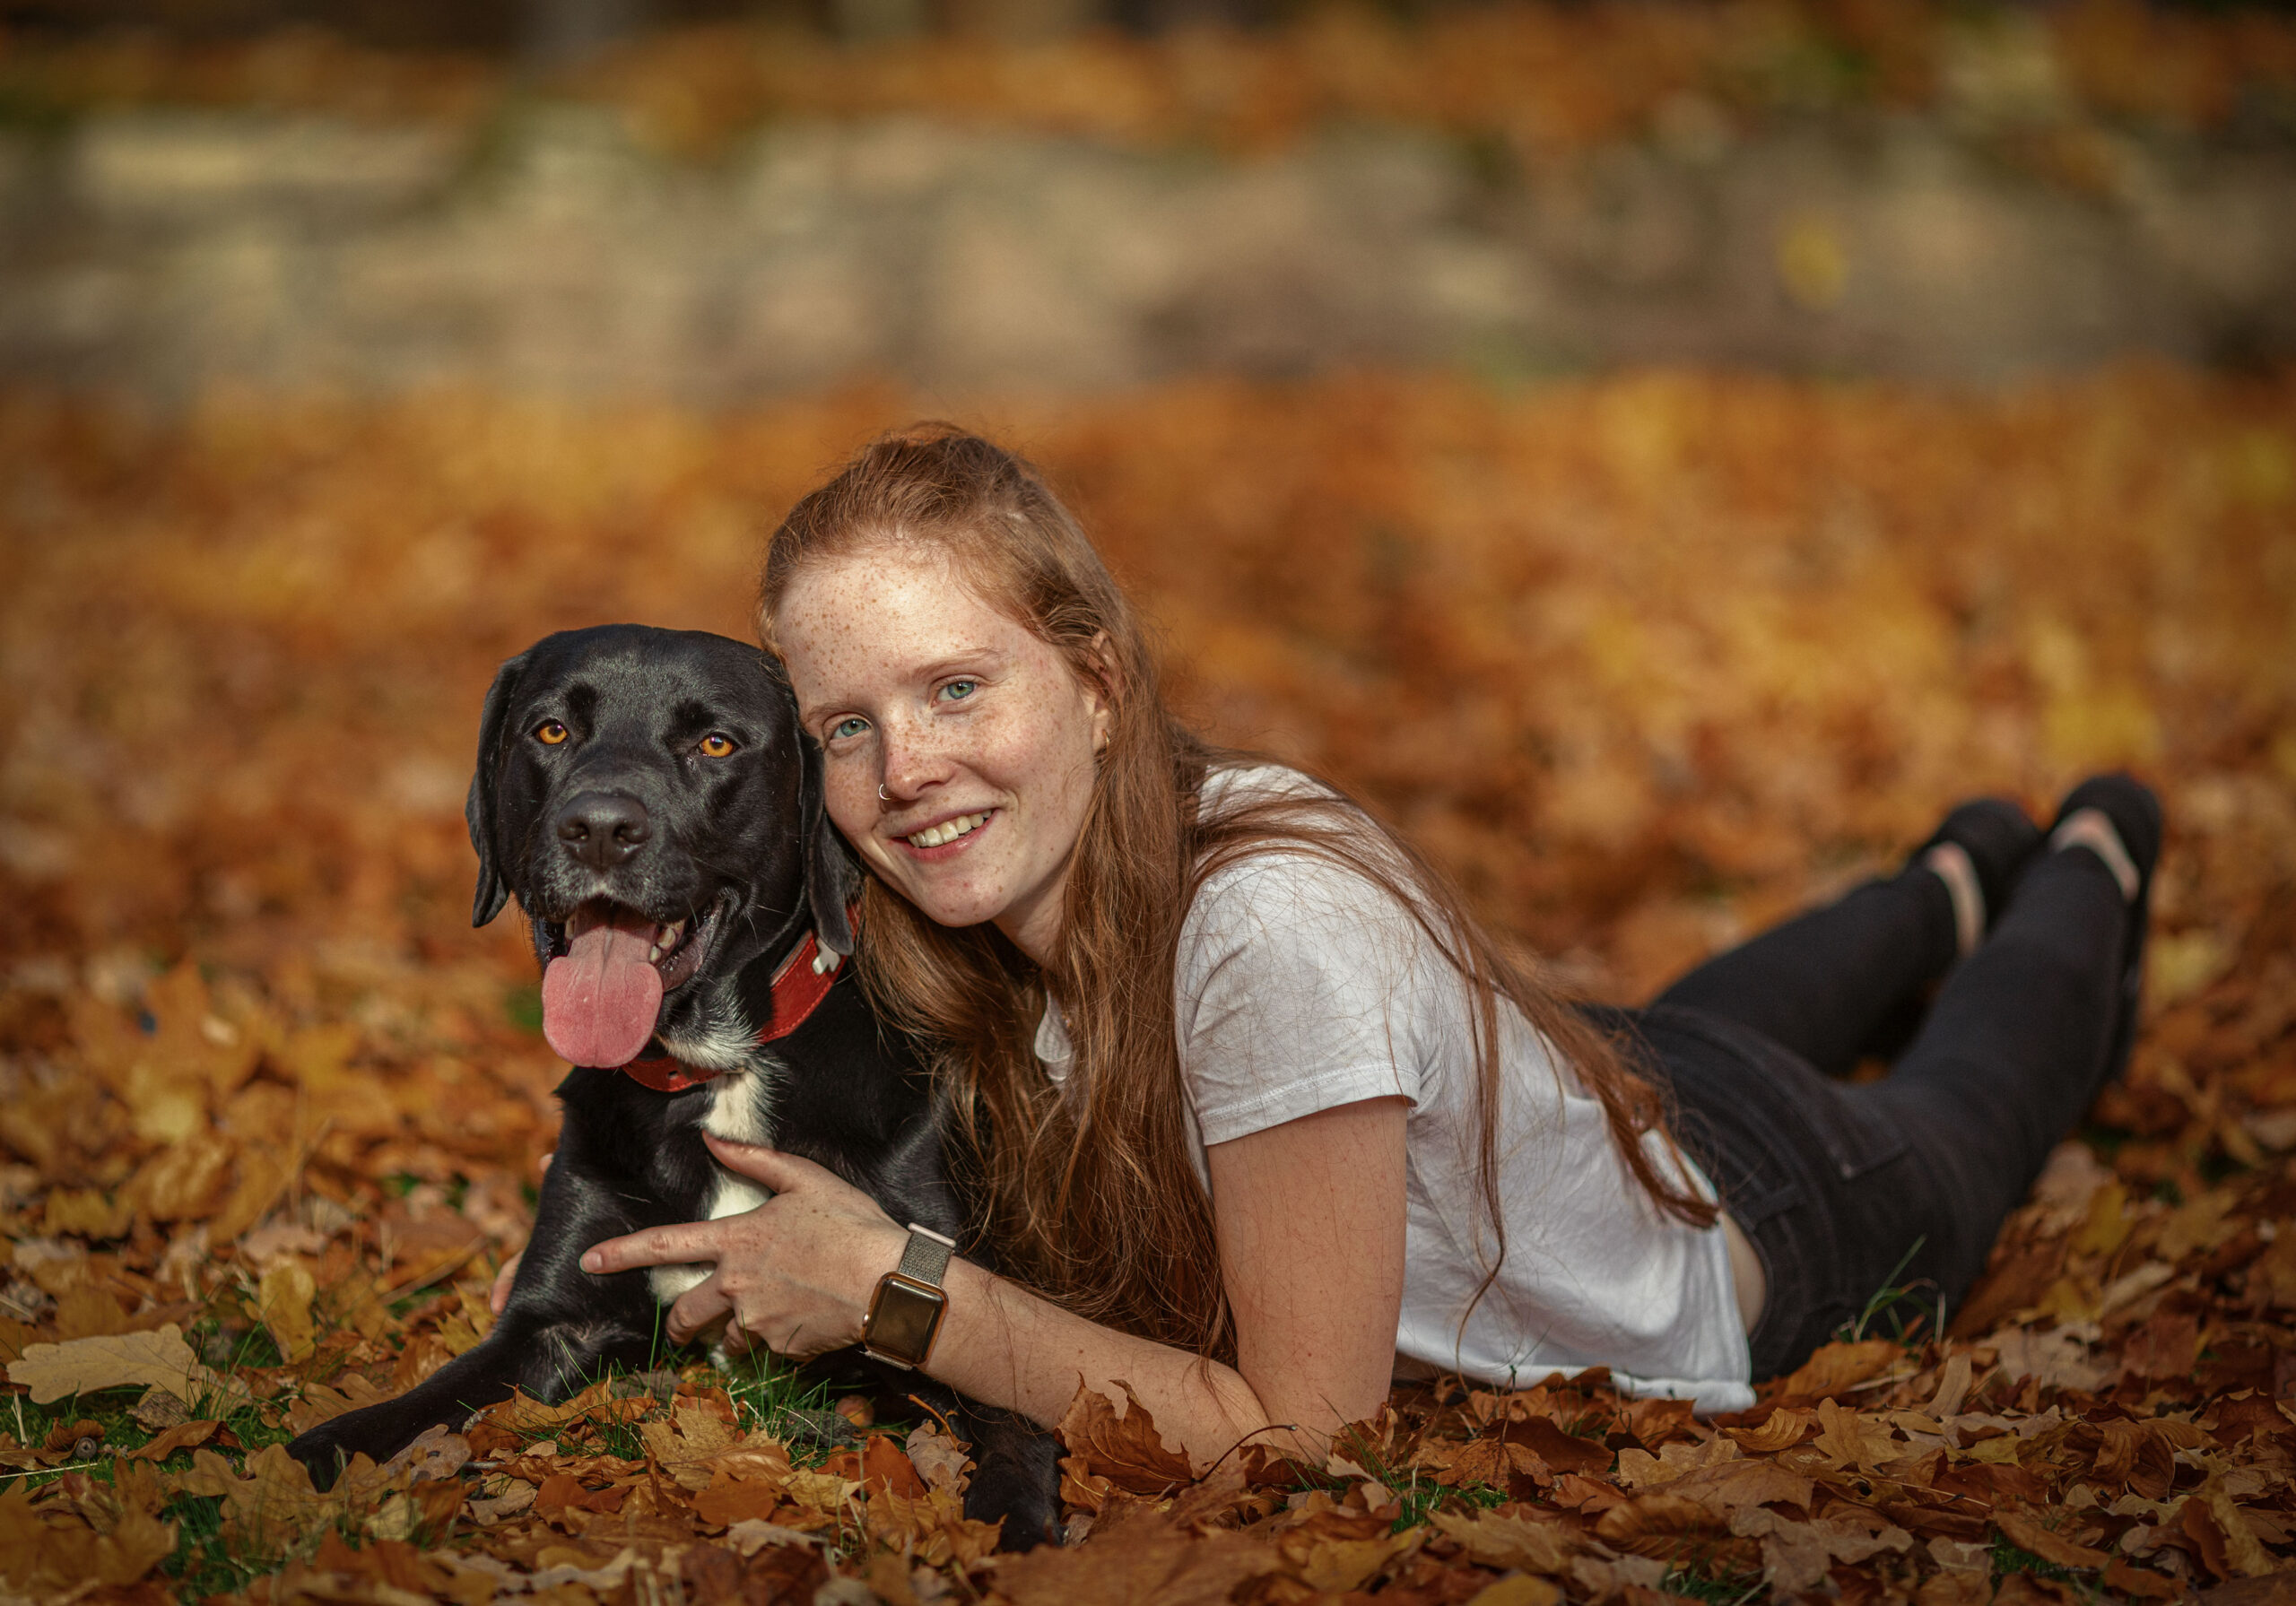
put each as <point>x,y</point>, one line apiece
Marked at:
<point>604,828</point>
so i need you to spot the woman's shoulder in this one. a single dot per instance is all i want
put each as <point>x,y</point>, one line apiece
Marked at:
<point>1238,786</point>
<point>1303,873</point>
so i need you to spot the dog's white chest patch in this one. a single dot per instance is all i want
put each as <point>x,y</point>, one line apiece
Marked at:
<point>738,1112</point>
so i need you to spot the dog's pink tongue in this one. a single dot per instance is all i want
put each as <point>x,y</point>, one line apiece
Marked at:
<point>600,1000</point>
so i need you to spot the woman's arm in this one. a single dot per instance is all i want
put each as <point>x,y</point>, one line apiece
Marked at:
<point>1309,1217</point>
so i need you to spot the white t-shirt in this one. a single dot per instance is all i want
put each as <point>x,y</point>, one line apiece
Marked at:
<point>1303,986</point>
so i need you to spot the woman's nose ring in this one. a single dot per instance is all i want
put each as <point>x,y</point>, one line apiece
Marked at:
<point>881,793</point>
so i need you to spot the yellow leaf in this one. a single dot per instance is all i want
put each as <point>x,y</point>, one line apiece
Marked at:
<point>86,1212</point>
<point>283,1300</point>
<point>822,1491</point>
<point>1521,1589</point>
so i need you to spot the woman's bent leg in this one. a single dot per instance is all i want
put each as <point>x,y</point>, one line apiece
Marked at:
<point>1824,982</point>
<point>2010,1055</point>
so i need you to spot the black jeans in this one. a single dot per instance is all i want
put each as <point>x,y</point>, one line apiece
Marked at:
<point>1845,1187</point>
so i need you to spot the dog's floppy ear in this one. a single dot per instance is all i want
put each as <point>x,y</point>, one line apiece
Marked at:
<point>479,807</point>
<point>832,877</point>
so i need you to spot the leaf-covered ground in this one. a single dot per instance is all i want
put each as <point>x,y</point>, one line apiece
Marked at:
<point>1647,662</point>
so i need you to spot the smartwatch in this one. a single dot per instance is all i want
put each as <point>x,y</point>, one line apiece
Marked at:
<point>905,1313</point>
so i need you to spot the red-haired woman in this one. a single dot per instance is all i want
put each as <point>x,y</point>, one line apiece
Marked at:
<point>1262,1116</point>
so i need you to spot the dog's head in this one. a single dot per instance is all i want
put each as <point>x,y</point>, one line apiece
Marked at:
<point>648,799</point>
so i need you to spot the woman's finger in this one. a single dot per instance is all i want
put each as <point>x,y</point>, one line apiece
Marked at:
<point>696,1308</point>
<point>500,1295</point>
<point>783,1173</point>
<point>688,1244</point>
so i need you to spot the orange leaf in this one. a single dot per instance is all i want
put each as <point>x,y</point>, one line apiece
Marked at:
<point>1837,1367</point>
<point>885,1465</point>
<point>730,1500</point>
<point>181,1436</point>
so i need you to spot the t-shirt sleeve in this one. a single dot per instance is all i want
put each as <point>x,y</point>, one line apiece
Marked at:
<point>1301,987</point>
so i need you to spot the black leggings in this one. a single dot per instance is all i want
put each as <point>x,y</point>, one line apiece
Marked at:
<point>1839,1184</point>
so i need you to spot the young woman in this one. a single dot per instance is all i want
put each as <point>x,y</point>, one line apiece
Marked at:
<point>1261,1117</point>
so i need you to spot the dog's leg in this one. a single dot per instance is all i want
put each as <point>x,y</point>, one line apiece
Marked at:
<point>562,1327</point>
<point>1015,1475</point>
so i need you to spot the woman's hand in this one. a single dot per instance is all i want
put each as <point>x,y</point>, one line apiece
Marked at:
<point>796,1274</point>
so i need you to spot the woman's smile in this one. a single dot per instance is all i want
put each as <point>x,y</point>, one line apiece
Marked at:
<point>959,745</point>
<point>946,838</point>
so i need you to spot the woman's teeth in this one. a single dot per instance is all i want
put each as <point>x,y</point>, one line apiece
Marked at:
<point>667,938</point>
<point>948,831</point>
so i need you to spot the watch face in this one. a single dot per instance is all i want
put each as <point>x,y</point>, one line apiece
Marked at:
<point>902,1319</point>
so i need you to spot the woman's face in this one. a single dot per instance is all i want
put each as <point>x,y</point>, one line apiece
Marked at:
<point>980,735</point>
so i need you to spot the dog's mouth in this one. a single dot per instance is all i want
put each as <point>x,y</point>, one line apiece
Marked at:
<point>608,969</point>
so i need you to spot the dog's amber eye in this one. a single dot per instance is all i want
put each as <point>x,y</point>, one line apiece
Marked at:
<point>550,733</point>
<point>717,745</point>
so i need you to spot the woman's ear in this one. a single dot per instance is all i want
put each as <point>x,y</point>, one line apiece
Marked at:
<point>1103,683</point>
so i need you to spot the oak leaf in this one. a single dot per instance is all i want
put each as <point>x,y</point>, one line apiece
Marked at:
<point>1795,1555</point>
<point>1510,1540</point>
<point>54,1372</point>
<point>939,1459</point>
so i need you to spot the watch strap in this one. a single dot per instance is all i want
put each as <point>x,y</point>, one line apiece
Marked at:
<point>926,1257</point>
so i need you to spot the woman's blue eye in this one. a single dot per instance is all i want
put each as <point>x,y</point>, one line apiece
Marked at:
<point>848,727</point>
<point>958,689</point>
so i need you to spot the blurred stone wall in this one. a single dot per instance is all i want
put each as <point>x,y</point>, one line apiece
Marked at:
<point>163,251</point>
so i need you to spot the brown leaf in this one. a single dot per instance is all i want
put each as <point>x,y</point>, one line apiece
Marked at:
<point>2227,1544</point>
<point>2028,1535</point>
<point>939,1459</point>
<point>1848,1438</point>
<point>2139,1584</point>
<point>1110,1452</point>
<point>1796,1556</point>
<point>1140,1559</point>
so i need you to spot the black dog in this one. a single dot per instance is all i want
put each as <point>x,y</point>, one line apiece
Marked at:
<point>647,797</point>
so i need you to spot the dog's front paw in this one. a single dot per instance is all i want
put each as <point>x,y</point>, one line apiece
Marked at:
<point>378,1432</point>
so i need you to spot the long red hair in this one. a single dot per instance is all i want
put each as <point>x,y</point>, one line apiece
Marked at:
<point>1091,1195</point>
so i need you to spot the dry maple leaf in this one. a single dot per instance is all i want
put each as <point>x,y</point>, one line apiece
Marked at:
<point>1108,1451</point>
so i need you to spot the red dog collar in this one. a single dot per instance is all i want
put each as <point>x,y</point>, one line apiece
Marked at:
<point>799,985</point>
